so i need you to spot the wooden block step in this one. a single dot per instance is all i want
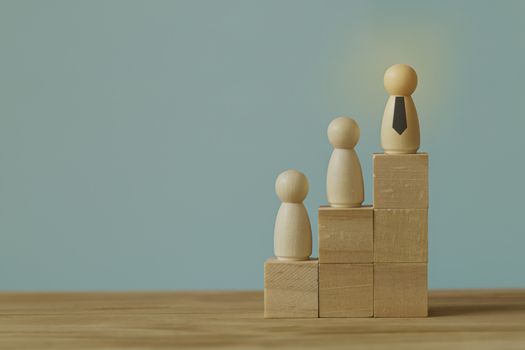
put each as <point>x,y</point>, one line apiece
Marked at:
<point>291,289</point>
<point>401,235</point>
<point>346,235</point>
<point>400,290</point>
<point>401,181</point>
<point>346,290</point>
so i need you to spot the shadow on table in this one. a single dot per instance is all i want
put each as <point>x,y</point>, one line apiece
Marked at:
<point>458,310</point>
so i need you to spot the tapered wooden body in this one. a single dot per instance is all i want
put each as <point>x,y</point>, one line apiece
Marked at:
<point>293,233</point>
<point>391,141</point>
<point>344,179</point>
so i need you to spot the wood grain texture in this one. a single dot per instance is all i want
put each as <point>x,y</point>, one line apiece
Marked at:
<point>400,290</point>
<point>401,235</point>
<point>346,235</point>
<point>291,288</point>
<point>346,290</point>
<point>468,319</point>
<point>401,181</point>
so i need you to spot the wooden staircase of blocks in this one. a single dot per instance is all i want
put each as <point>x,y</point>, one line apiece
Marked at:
<point>372,260</point>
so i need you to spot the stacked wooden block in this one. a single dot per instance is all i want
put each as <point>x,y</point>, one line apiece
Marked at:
<point>400,235</point>
<point>346,262</point>
<point>372,260</point>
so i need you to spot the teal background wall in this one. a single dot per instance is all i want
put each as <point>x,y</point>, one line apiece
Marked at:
<point>140,140</point>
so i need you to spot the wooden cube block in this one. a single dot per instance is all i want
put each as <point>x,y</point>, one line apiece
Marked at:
<point>346,290</point>
<point>346,235</point>
<point>401,235</point>
<point>400,290</point>
<point>291,288</point>
<point>401,181</point>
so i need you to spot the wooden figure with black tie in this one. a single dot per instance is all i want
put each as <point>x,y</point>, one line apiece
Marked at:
<point>400,127</point>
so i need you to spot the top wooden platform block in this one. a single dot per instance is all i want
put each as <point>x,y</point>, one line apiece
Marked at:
<point>401,181</point>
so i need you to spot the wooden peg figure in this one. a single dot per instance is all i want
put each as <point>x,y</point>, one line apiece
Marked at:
<point>344,178</point>
<point>293,233</point>
<point>400,127</point>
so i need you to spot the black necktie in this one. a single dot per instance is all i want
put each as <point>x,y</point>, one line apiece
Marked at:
<point>400,117</point>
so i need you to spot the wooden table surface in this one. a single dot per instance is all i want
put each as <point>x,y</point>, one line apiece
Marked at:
<point>490,319</point>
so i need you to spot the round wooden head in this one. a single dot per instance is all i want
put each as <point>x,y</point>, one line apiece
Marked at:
<point>400,79</point>
<point>291,186</point>
<point>343,132</point>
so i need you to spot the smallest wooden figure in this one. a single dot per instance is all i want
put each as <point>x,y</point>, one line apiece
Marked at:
<point>293,233</point>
